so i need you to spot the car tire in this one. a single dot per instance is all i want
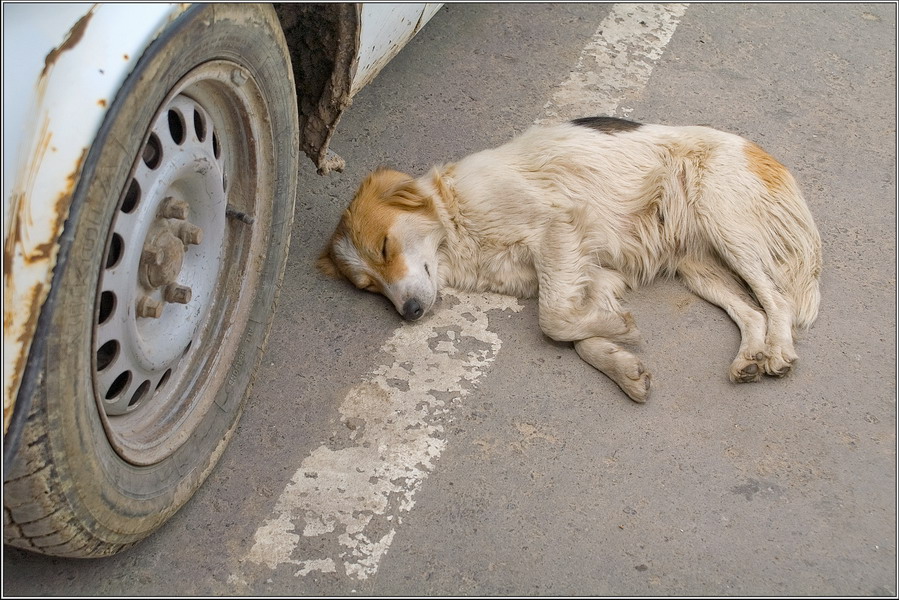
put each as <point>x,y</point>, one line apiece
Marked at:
<point>170,266</point>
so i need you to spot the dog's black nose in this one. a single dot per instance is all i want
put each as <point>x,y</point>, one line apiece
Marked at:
<point>412,310</point>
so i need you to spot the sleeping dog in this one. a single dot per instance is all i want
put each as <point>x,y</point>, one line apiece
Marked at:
<point>578,212</point>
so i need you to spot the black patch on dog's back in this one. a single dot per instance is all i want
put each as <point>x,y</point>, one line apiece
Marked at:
<point>608,125</point>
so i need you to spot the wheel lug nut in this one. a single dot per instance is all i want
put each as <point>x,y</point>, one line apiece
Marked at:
<point>148,307</point>
<point>179,294</point>
<point>190,233</point>
<point>152,256</point>
<point>238,78</point>
<point>173,208</point>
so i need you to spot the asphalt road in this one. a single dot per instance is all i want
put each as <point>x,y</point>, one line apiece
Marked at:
<point>468,455</point>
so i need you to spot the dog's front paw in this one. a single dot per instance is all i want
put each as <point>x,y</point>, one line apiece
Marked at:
<point>636,382</point>
<point>618,364</point>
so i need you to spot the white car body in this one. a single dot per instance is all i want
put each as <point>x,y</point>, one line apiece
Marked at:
<point>63,65</point>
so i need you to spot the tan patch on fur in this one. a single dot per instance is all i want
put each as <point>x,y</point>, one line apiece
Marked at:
<point>773,174</point>
<point>395,267</point>
<point>370,219</point>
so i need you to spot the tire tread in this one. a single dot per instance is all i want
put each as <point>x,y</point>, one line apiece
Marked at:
<point>36,514</point>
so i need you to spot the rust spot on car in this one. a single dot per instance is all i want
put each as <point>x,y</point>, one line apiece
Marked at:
<point>9,248</point>
<point>17,206</point>
<point>40,251</point>
<point>29,327</point>
<point>74,36</point>
<point>126,57</point>
<point>37,298</point>
<point>101,102</point>
<point>61,213</point>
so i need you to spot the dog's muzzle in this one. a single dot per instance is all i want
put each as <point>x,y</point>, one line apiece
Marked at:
<point>412,310</point>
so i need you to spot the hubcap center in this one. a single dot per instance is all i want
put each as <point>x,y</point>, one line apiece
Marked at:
<point>162,257</point>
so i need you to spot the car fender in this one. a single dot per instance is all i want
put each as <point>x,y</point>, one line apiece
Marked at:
<point>62,69</point>
<point>386,29</point>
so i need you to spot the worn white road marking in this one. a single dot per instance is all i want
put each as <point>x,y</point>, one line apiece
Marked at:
<point>615,65</point>
<point>349,495</point>
<point>352,492</point>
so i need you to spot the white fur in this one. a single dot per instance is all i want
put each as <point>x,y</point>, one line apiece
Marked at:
<point>576,215</point>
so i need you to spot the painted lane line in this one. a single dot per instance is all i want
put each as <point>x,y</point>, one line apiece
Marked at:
<point>615,65</point>
<point>391,432</point>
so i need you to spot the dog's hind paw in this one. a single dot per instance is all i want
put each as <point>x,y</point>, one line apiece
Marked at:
<point>779,363</point>
<point>744,370</point>
<point>774,362</point>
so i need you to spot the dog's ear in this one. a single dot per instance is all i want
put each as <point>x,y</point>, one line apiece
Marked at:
<point>394,189</point>
<point>327,265</point>
<point>407,195</point>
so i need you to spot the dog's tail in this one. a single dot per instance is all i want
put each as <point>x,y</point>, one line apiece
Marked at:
<point>797,256</point>
<point>805,293</point>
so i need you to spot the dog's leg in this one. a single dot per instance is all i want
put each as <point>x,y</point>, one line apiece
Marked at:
<point>751,267</point>
<point>759,236</point>
<point>578,299</point>
<point>780,351</point>
<point>715,283</point>
<point>594,331</point>
<point>618,364</point>
<point>578,302</point>
<point>569,318</point>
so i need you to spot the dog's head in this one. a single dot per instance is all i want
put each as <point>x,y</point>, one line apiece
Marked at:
<point>386,242</point>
